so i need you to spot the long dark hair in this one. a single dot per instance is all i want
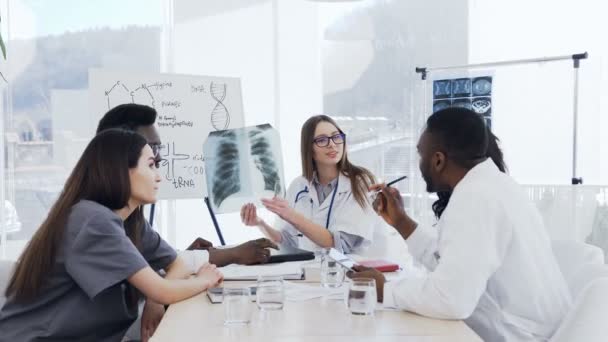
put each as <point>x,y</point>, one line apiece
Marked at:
<point>493,152</point>
<point>101,175</point>
<point>360,178</point>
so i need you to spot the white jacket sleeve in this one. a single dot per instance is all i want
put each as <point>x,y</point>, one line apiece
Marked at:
<point>422,245</point>
<point>470,249</point>
<point>288,232</point>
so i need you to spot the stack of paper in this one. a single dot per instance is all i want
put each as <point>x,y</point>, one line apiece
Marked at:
<point>288,270</point>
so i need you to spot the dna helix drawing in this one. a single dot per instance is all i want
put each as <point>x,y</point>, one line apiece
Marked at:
<point>220,117</point>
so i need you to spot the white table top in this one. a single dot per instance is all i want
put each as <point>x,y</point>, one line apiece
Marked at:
<point>196,319</point>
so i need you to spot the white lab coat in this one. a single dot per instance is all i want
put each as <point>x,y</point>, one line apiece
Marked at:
<point>346,215</point>
<point>490,263</point>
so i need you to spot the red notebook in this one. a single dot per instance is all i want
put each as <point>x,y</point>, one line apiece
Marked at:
<point>380,265</point>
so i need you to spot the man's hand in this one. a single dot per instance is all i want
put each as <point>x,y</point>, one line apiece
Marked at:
<point>367,272</point>
<point>389,205</point>
<point>200,243</point>
<point>253,252</point>
<point>248,253</point>
<point>150,318</point>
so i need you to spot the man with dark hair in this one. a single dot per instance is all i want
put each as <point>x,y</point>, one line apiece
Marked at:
<point>141,119</point>
<point>490,260</point>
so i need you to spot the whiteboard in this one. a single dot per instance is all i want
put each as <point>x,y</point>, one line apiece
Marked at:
<point>189,108</point>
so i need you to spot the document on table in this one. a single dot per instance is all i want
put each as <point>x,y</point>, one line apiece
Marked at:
<point>288,270</point>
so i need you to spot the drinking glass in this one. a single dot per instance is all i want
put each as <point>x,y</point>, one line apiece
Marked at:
<point>237,305</point>
<point>362,296</point>
<point>332,273</point>
<point>270,293</point>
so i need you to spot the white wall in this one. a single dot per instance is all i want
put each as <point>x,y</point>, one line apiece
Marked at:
<point>299,70</point>
<point>533,104</point>
<point>237,38</point>
<point>216,38</point>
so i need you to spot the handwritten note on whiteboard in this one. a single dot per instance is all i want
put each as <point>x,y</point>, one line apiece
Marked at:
<point>188,107</point>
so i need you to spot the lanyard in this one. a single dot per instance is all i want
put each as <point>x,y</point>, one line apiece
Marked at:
<point>331,203</point>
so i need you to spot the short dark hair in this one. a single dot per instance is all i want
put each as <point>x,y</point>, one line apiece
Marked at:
<point>494,152</point>
<point>128,116</point>
<point>460,133</point>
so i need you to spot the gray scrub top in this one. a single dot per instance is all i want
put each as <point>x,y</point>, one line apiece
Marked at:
<point>84,299</point>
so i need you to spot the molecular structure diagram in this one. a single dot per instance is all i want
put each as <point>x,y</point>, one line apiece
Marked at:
<point>141,94</point>
<point>220,117</point>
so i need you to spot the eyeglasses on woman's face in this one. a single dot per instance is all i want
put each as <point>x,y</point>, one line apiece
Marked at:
<point>156,149</point>
<point>323,141</point>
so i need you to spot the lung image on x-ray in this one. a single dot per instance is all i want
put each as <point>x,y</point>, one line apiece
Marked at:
<point>243,165</point>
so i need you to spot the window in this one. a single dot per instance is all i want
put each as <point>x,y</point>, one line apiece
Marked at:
<point>45,112</point>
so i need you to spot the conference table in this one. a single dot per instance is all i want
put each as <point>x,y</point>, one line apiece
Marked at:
<point>319,319</point>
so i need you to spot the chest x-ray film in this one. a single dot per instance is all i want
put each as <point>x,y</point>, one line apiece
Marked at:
<point>242,166</point>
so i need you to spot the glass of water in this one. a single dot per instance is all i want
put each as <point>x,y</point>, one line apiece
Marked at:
<point>332,273</point>
<point>270,293</point>
<point>362,296</point>
<point>237,305</point>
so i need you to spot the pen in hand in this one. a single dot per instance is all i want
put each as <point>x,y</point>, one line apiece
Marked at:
<point>390,183</point>
<point>396,180</point>
<point>374,195</point>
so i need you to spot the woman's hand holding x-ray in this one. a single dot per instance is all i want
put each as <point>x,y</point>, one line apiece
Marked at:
<point>249,215</point>
<point>279,206</point>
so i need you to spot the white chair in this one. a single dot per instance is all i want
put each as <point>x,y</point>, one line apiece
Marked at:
<point>586,274</point>
<point>575,258</point>
<point>586,321</point>
<point>6,267</point>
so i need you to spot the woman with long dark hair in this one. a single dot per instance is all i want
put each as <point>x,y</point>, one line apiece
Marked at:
<point>328,205</point>
<point>84,270</point>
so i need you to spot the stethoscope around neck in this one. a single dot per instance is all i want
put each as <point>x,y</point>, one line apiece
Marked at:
<point>331,203</point>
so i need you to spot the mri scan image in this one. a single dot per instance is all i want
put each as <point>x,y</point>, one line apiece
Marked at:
<point>441,104</point>
<point>488,121</point>
<point>464,103</point>
<point>243,165</point>
<point>482,105</point>
<point>442,89</point>
<point>482,86</point>
<point>461,87</point>
<point>472,93</point>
